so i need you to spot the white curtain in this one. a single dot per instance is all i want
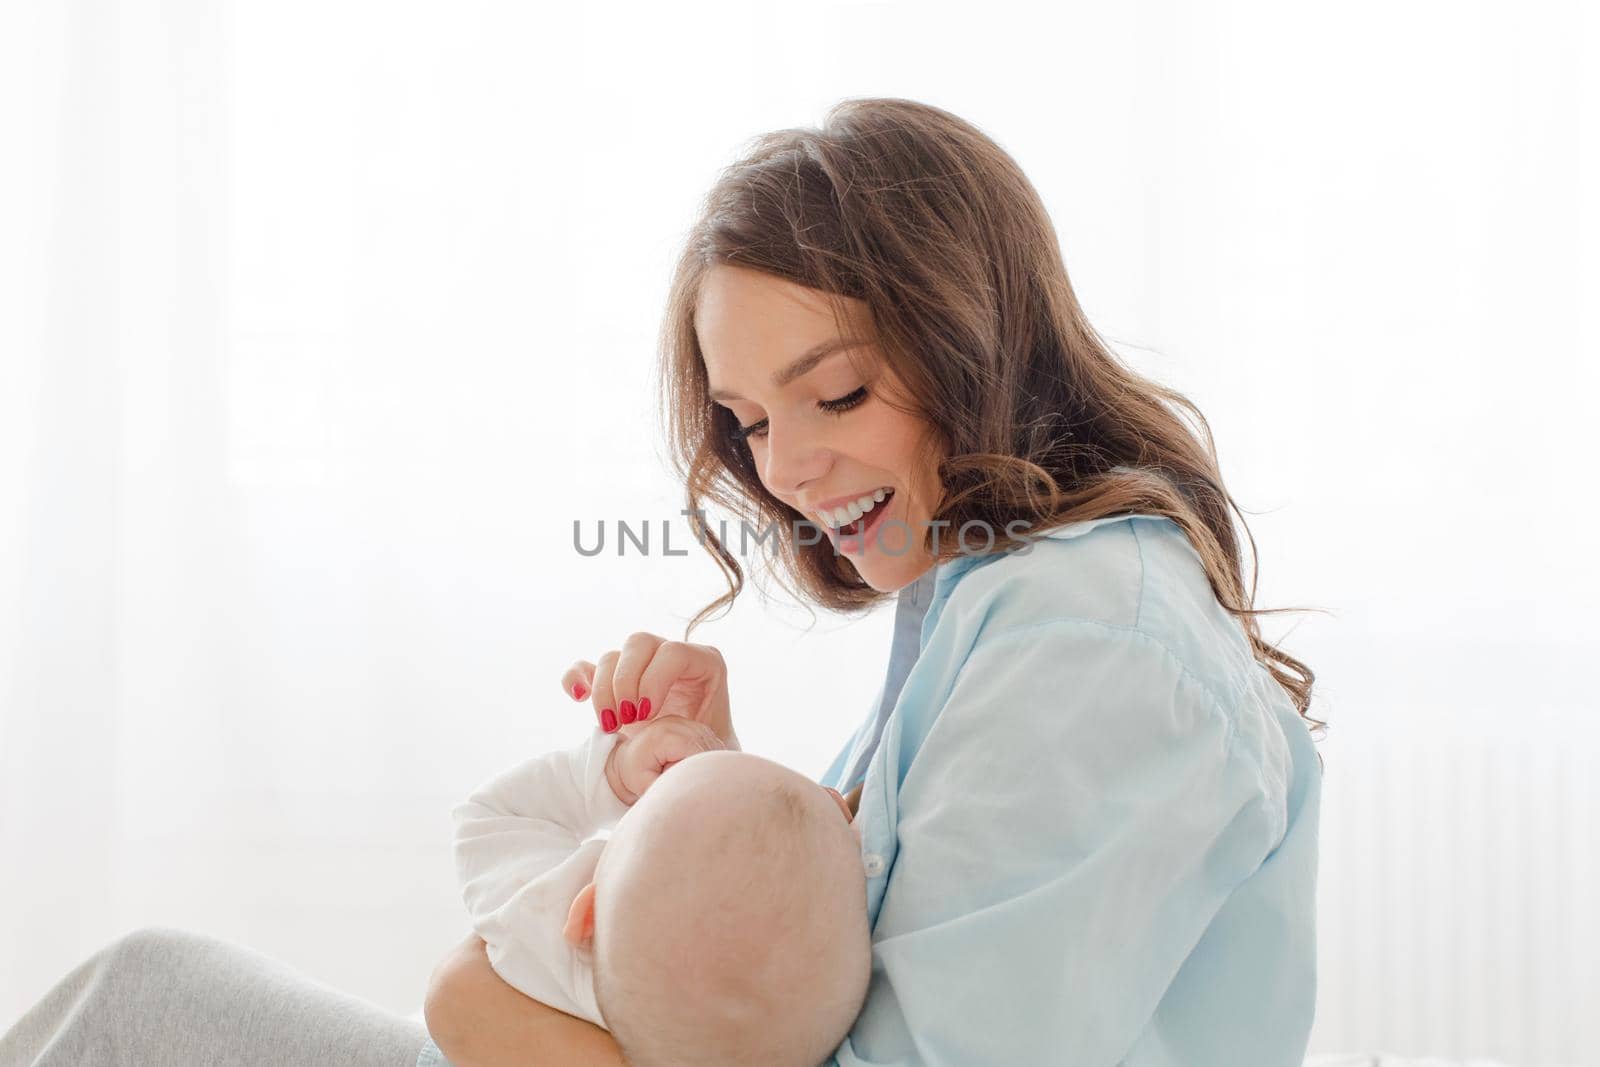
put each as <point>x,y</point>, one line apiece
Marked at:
<point>321,324</point>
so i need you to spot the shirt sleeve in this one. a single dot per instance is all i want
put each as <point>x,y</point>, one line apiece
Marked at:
<point>521,856</point>
<point>1077,813</point>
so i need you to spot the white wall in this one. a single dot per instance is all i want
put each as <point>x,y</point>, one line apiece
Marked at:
<point>319,324</point>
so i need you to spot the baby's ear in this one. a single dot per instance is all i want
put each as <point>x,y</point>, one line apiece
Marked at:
<point>579,930</point>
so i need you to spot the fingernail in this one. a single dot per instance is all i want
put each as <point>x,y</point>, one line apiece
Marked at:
<point>579,692</point>
<point>644,708</point>
<point>608,721</point>
<point>628,711</point>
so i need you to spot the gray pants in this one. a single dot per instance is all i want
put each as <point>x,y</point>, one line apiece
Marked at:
<point>161,997</point>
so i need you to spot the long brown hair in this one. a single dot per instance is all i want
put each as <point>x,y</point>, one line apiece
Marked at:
<point>920,215</point>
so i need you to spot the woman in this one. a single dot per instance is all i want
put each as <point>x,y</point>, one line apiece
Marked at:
<point>1088,796</point>
<point>1087,793</point>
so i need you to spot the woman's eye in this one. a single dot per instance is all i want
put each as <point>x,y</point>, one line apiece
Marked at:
<point>755,429</point>
<point>844,403</point>
<point>833,407</point>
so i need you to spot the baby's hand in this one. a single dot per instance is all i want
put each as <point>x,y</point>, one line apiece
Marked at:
<point>643,754</point>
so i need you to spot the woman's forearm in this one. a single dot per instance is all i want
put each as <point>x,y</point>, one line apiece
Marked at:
<point>477,1020</point>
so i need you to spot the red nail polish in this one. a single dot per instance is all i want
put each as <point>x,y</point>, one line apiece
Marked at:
<point>579,692</point>
<point>644,708</point>
<point>628,711</point>
<point>608,721</point>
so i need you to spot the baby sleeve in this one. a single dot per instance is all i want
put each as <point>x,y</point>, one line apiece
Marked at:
<point>1074,818</point>
<point>521,857</point>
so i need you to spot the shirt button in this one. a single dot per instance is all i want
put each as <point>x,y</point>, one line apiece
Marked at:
<point>873,864</point>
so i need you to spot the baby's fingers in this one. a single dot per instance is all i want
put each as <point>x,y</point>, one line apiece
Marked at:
<point>673,740</point>
<point>663,757</point>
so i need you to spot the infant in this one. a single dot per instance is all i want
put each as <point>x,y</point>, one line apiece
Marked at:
<point>723,921</point>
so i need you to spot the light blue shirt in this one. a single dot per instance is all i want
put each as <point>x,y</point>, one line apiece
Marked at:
<point>1089,824</point>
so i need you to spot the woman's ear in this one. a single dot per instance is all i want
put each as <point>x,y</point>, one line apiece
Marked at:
<point>579,930</point>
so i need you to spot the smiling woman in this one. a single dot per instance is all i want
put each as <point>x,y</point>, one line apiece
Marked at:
<point>1087,797</point>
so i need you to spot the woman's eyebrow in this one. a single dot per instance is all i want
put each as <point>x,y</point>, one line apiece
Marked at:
<point>800,367</point>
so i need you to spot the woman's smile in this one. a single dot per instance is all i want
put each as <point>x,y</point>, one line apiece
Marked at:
<point>858,534</point>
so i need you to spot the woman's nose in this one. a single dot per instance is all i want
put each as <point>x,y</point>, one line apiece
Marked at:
<point>793,459</point>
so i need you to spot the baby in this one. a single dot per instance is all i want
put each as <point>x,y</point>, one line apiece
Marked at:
<point>723,922</point>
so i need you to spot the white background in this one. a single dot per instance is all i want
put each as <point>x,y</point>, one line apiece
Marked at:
<point>320,323</point>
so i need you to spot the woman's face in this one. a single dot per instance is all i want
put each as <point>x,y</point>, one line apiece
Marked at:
<point>819,430</point>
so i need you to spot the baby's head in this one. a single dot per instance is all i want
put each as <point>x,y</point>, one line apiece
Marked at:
<point>729,918</point>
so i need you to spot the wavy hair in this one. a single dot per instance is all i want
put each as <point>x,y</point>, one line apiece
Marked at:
<point>921,216</point>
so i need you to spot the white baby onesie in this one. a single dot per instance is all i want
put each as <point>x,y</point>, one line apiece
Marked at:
<point>522,854</point>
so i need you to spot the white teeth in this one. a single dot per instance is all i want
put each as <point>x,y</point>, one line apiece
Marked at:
<point>852,511</point>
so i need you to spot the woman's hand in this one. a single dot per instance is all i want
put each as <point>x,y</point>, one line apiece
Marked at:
<point>646,749</point>
<point>651,676</point>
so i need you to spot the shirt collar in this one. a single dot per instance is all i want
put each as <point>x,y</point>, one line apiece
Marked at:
<point>950,571</point>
